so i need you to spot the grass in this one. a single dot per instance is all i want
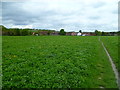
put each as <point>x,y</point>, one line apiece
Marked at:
<point>55,62</point>
<point>112,45</point>
<point>0,62</point>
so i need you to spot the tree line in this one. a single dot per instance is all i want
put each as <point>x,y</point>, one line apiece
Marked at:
<point>15,31</point>
<point>21,32</point>
<point>99,33</point>
<point>27,32</point>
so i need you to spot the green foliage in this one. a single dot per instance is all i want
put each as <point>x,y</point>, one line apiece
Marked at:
<point>15,31</point>
<point>103,34</point>
<point>62,32</point>
<point>80,31</point>
<point>98,33</point>
<point>55,62</point>
<point>24,32</point>
<point>49,32</point>
<point>2,27</point>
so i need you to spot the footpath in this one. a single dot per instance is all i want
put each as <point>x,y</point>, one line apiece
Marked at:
<point>113,65</point>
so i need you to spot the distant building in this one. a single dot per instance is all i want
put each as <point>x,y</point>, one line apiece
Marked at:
<point>92,34</point>
<point>54,33</point>
<point>113,33</point>
<point>79,34</point>
<point>88,34</point>
<point>71,33</point>
<point>34,33</point>
<point>83,34</point>
<point>43,33</point>
<point>68,33</point>
<point>74,33</point>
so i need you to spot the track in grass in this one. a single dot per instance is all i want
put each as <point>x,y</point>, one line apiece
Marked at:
<point>55,62</point>
<point>112,44</point>
<point>112,64</point>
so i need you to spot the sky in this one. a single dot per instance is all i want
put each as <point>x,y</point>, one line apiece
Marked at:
<point>71,15</point>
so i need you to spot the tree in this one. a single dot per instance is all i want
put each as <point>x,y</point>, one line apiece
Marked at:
<point>62,32</point>
<point>80,31</point>
<point>98,33</point>
<point>49,32</point>
<point>16,32</point>
<point>24,32</point>
<point>103,33</point>
<point>3,30</point>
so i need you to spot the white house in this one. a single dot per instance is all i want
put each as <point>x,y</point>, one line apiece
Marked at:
<point>83,34</point>
<point>79,34</point>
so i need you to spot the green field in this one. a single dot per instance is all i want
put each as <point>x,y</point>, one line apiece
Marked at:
<point>0,62</point>
<point>55,62</point>
<point>112,45</point>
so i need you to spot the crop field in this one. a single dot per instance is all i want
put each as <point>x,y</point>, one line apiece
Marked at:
<point>112,44</point>
<point>55,62</point>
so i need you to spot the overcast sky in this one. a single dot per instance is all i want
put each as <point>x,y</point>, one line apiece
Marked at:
<point>72,15</point>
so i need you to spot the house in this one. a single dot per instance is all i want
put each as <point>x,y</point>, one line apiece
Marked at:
<point>40,33</point>
<point>113,33</point>
<point>79,34</point>
<point>43,33</point>
<point>71,33</point>
<point>92,34</point>
<point>54,33</point>
<point>34,33</point>
<point>74,33</point>
<point>68,33</point>
<point>88,34</point>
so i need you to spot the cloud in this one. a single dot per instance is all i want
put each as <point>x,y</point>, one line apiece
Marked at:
<point>72,15</point>
<point>99,4</point>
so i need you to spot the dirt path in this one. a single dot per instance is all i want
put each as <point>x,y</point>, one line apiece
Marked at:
<point>113,65</point>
